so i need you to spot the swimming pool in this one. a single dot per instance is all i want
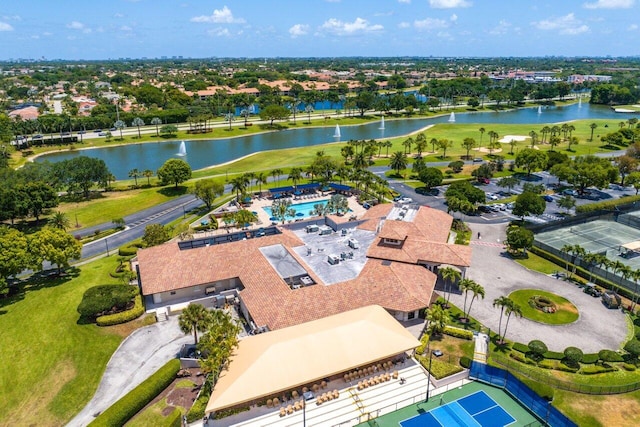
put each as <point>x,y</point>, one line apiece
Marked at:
<point>303,210</point>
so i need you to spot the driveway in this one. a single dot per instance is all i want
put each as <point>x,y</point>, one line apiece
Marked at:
<point>139,355</point>
<point>597,327</point>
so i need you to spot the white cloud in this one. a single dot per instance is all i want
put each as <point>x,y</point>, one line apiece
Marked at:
<point>502,28</point>
<point>299,30</point>
<point>448,4</point>
<point>219,16</point>
<point>118,15</point>
<point>335,26</point>
<point>429,24</point>
<point>126,28</point>
<point>219,32</point>
<point>75,25</point>
<point>404,1</point>
<point>610,4</point>
<point>5,27</point>
<point>632,27</point>
<point>12,18</point>
<point>404,25</point>
<point>566,25</point>
<point>453,18</point>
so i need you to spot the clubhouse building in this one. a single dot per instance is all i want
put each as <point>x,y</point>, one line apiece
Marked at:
<point>305,271</point>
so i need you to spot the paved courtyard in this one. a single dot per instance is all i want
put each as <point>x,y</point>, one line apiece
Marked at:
<point>597,327</point>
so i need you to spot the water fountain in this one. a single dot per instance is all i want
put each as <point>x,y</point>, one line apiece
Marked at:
<point>182,151</point>
<point>382,123</point>
<point>539,109</point>
<point>580,102</point>
<point>452,117</point>
<point>336,134</point>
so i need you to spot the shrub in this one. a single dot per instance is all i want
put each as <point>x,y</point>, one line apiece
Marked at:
<point>458,333</point>
<point>439,369</point>
<point>573,355</point>
<point>629,367</point>
<point>520,347</point>
<point>465,362</point>
<point>537,348</point>
<point>516,355</point>
<point>633,348</point>
<point>609,204</point>
<point>124,316</point>
<point>424,340</point>
<point>131,403</point>
<point>590,358</point>
<point>564,368</point>
<point>127,250</point>
<point>106,299</point>
<point>609,356</point>
<point>597,369</point>
<point>197,409</point>
<point>554,355</point>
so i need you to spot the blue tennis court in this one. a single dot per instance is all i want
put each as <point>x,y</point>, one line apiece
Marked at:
<point>475,410</point>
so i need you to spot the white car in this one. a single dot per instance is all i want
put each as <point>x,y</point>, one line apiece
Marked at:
<point>492,196</point>
<point>405,200</point>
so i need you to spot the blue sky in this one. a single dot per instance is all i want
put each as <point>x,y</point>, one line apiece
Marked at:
<point>111,29</point>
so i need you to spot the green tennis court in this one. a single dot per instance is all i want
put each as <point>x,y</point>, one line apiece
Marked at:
<point>472,405</point>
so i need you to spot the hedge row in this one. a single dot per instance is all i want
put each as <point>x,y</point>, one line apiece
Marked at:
<point>424,340</point>
<point>129,405</point>
<point>522,348</point>
<point>124,316</point>
<point>197,409</point>
<point>458,333</point>
<point>174,419</point>
<point>607,205</point>
<point>597,369</point>
<point>465,362</point>
<point>439,369</point>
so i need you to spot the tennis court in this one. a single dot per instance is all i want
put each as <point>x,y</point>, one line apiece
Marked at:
<point>473,405</point>
<point>475,410</point>
<point>598,236</point>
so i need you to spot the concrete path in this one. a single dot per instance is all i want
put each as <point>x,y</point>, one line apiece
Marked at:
<point>139,355</point>
<point>597,327</point>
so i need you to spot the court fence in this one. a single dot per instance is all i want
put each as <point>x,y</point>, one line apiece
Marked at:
<point>519,391</point>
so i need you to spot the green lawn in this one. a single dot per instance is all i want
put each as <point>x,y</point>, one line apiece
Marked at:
<point>51,363</point>
<point>152,415</point>
<point>566,311</point>
<point>537,263</point>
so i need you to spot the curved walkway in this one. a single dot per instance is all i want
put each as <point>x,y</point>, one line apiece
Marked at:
<point>597,327</point>
<point>138,356</point>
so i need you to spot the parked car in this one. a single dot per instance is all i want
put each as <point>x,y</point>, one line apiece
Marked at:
<point>478,160</point>
<point>484,208</point>
<point>483,180</point>
<point>492,196</point>
<point>405,200</point>
<point>591,289</point>
<point>547,198</point>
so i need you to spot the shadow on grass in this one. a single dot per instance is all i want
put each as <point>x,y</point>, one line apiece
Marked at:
<point>40,280</point>
<point>173,191</point>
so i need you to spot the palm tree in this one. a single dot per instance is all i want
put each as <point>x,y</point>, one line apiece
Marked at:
<point>482,131</point>
<point>437,319</point>
<point>148,173</point>
<point>239,185</point>
<point>534,138</point>
<point>295,175</point>
<point>275,174</point>
<point>308,109</point>
<point>468,144</point>
<point>134,173</point>
<point>636,277</point>
<point>591,259</point>
<point>59,220</point>
<point>398,161</point>
<point>261,178</point>
<point>387,145</point>
<point>465,286</point>
<point>120,125</point>
<point>245,113</point>
<point>433,142</point>
<point>449,275</point>
<point>137,122</point>
<point>195,318</point>
<point>592,126</point>
<point>407,143</point>
<point>511,309</point>
<point>156,122</point>
<point>545,131</point>
<point>421,143</point>
<point>281,209</point>
<point>478,291</point>
<point>229,117</point>
<point>502,302</point>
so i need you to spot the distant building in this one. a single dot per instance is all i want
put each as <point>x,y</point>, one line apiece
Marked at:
<point>580,78</point>
<point>26,113</point>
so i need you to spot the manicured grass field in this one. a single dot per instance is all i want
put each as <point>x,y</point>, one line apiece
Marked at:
<point>52,363</point>
<point>537,263</point>
<point>566,311</point>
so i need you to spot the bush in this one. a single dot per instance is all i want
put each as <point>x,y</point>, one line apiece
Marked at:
<point>197,409</point>
<point>608,205</point>
<point>106,299</point>
<point>564,368</point>
<point>629,367</point>
<point>547,364</point>
<point>458,333</point>
<point>537,348</point>
<point>597,369</point>
<point>590,358</point>
<point>424,340</point>
<point>439,369</point>
<point>609,356</point>
<point>129,405</point>
<point>124,316</point>
<point>522,348</point>
<point>573,355</point>
<point>516,355</point>
<point>127,250</point>
<point>465,362</point>
<point>554,355</point>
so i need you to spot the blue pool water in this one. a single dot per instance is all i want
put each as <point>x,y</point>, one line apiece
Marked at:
<point>300,208</point>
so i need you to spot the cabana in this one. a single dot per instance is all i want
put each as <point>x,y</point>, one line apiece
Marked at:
<point>291,358</point>
<point>341,188</point>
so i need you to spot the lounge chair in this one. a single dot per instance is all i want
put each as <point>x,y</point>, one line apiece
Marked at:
<point>289,409</point>
<point>295,394</point>
<point>395,375</point>
<point>283,412</point>
<point>269,403</point>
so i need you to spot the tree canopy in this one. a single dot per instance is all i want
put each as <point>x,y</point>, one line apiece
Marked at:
<point>174,171</point>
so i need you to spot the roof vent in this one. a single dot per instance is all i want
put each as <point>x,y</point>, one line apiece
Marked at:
<point>386,262</point>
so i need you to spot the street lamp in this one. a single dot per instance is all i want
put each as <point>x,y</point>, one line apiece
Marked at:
<point>107,245</point>
<point>429,373</point>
